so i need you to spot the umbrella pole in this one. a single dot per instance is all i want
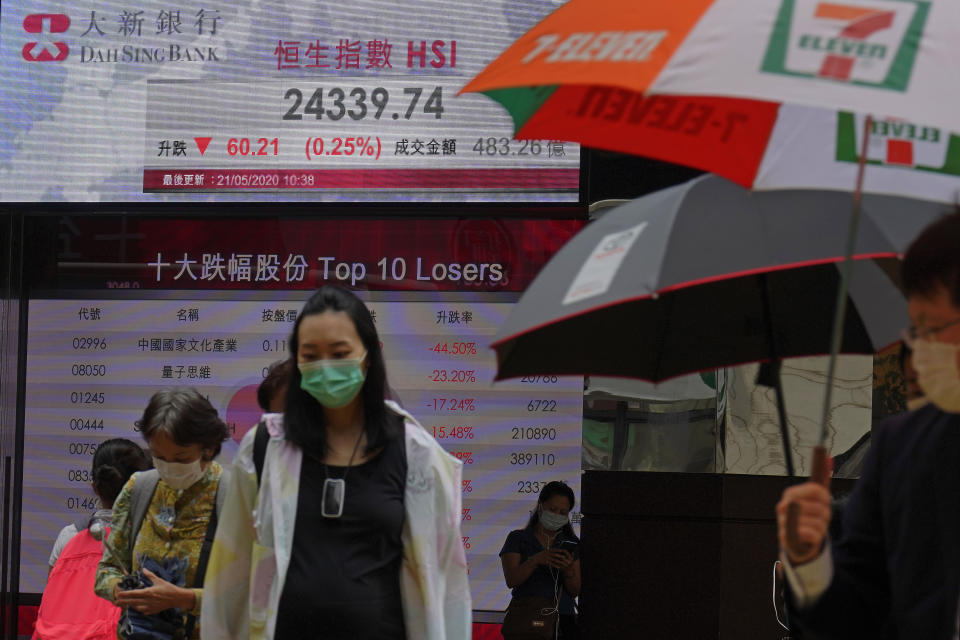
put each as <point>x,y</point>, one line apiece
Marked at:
<point>840,309</point>
<point>818,469</point>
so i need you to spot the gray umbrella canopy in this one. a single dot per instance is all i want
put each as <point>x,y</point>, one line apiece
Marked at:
<point>708,274</point>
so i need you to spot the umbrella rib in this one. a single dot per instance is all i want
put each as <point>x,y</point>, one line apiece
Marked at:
<point>664,323</point>
<point>776,381</point>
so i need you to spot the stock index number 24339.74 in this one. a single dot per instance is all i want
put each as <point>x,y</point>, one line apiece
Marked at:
<point>336,102</point>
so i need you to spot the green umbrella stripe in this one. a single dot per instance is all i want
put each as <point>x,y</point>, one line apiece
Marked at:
<point>522,102</point>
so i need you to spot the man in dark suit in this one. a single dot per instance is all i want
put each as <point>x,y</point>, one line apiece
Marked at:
<point>895,572</point>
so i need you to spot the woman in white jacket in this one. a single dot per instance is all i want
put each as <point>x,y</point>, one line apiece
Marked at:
<point>352,529</point>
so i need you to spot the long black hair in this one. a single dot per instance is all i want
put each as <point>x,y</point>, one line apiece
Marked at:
<point>303,419</point>
<point>551,489</point>
<point>114,461</point>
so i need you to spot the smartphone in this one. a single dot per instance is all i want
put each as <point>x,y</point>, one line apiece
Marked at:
<point>568,545</point>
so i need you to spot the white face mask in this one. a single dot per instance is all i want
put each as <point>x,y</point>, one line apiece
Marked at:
<point>937,373</point>
<point>552,521</point>
<point>179,475</point>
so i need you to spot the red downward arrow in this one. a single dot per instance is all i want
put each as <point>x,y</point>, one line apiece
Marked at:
<point>202,144</point>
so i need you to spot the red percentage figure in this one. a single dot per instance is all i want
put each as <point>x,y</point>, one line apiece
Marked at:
<point>465,456</point>
<point>466,514</point>
<point>466,542</point>
<point>467,488</point>
<point>452,404</point>
<point>453,375</point>
<point>455,433</point>
<point>456,348</point>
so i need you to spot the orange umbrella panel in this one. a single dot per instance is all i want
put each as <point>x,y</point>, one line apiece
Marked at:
<point>596,42</point>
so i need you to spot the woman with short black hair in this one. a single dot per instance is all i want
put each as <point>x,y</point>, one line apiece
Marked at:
<point>187,418</point>
<point>272,392</point>
<point>347,525</point>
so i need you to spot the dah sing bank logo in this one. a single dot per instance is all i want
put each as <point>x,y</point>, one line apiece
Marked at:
<point>45,49</point>
<point>871,43</point>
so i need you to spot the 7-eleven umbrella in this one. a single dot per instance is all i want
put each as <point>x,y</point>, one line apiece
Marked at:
<point>701,83</point>
<point>817,148</point>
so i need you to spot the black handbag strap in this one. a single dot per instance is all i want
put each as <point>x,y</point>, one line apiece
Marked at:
<point>260,441</point>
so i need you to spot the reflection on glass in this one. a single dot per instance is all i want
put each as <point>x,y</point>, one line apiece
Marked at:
<point>597,444</point>
<point>631,425</point>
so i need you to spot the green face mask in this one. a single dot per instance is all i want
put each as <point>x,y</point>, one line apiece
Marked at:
<point>333,383</point>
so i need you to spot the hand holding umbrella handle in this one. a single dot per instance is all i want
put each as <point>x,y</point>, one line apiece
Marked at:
<point>819,473</point>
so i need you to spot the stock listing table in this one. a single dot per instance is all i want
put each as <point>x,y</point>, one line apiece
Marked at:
<point>92,364</point>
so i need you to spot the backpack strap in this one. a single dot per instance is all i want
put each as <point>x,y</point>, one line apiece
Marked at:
<point>260,441</point>
<point>141,495</point>
<point>208,544</point>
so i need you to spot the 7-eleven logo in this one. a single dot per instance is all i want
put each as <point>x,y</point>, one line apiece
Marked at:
<point>858,24</point>
<point>899,143</point>
<point>866,42</point>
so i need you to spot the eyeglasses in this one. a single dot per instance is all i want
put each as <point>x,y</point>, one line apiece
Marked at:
<point>912,334</point>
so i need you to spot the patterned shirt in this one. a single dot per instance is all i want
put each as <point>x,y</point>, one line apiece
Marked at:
<point>173,527</point>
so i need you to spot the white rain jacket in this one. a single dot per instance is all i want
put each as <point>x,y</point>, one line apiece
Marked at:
<point>251,552</point>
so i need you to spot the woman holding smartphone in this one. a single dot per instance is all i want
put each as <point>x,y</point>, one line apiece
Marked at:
<point>542,560</point>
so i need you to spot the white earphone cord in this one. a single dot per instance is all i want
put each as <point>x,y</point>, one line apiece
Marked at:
<point>776,611</point>
<point>557,587</point>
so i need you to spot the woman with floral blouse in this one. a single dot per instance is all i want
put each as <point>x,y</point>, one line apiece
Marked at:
<point>184,434</point>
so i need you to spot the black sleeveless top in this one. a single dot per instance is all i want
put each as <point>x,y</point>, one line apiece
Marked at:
<point>344,574</point>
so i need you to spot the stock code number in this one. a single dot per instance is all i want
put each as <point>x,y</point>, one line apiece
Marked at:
<point>356,103</point>
<point>89,343</point>
<point>82,448</point>
<point>90,424</point>
<point>540,379</point>
<point>89,370</point>
<point>534,433</point>
<point>533,459</point>
<point>77,503</point>
<point>542,405</point>
<point>86,397</point>
<point>79,475</point>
